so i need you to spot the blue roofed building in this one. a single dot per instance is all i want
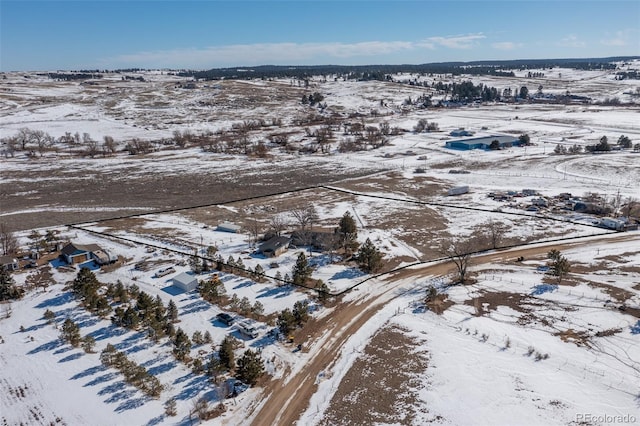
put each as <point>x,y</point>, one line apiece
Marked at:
<point>483,142</point>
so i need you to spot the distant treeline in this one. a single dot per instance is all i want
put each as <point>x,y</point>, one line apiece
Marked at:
<point>385,72</point>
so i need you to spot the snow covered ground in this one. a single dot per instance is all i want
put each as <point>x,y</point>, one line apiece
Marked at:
<point>496,383</point>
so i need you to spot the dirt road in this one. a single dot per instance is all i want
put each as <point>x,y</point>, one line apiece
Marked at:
<point>284,402</point>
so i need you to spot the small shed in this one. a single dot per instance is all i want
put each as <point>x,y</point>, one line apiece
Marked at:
<point>185,281</point>
<point>228,227</point>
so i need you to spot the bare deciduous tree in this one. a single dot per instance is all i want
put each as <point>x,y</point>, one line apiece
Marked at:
<point>494,233</point>
<point>8,241</point>
<point>459,251</point>
<point>278,223</point>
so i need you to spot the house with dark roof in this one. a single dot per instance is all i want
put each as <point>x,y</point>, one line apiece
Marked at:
<point>9,263</point>
<point>274,247</point>
<point>77,253</point>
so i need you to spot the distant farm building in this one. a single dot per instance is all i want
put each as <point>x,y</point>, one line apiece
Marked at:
<point>228,227</point>
<point>185,282</point>
<point>274,247</point>
<point>460,133</point>
<point>458,190</point>
<point>483,142</point>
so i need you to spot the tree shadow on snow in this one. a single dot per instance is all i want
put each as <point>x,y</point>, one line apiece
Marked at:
<point>123,395</point>
<point>49,346</point>
<point>130,404</point>
<point>59,300</point>
<point>193,388</point>
<point>155,421</point>
<point>89,372</point>
<point>102,379</point>
<point>247,283</point>
<point>108,332</point>
<point>162,368</point>
<point>348,274</point>
<point>275,292</point>
<point>113,388</point>
<point>71,357</point>
<point>197,306</point>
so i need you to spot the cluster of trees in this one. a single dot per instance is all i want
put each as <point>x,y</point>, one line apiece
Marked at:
<point>244,307</point>
<point>425,126</point>
<point>134,374</point>
<point>32,141</point>
<point>468,92</point>
<point>248,368</point>
<point>312,99</point>
<point>603,145</point>
<point>148,313</point>
<point>85,288</point>
<point>136,308</point>
<point>288,320</point>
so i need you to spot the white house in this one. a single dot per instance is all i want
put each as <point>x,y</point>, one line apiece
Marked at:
<point>185,281</point>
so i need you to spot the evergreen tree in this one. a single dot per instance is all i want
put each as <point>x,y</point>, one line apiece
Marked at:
<point>70,332</point>
<point>369,257</point>
<point>88,343</point>
<point>558,264</point>
<point>301,312</point>
<point>347,233</point>
<point>257,308</point>
<point>624,142</point>
<point>323,290</point>
<point>170,407</point>
<point>250,367</point>
<point>244,306</point>
<point>286,321</point>
<point>207,337</point>
<point>181,345</point>
<point>225,353</point>
<point>197,338</point>
<point>172,311</point>
<point>8,288</point>
<point>301,271</point>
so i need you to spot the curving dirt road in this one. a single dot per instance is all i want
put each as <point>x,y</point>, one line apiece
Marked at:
<point>284,402</point>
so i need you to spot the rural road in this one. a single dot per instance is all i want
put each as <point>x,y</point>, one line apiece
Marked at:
<point>284,400</point>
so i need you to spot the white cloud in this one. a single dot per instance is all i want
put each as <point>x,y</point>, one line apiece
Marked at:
<point>620,38</point>
<point>456,42</point>
<point>283,53</point>
<point>263,53</point>
<point>506,45</point>
<point>571,41</point>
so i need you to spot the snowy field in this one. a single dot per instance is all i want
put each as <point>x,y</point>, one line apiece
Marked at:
<point>478,349</point>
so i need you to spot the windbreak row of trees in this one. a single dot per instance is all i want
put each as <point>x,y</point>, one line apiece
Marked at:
<point>385,72</point>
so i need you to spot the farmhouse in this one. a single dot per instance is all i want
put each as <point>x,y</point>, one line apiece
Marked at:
<point>9,263</point>
<point>76,253</point>
<point>185,282</point>
<point>482,142</point>
<point>274,247</point>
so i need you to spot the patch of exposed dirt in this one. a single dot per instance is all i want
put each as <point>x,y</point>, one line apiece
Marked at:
<point>440,303</point>
<point>373,393</point>
<point>580,338</point>
<point>489,301</point>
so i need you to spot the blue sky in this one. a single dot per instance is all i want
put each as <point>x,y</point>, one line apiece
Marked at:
<point>109,34</point>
